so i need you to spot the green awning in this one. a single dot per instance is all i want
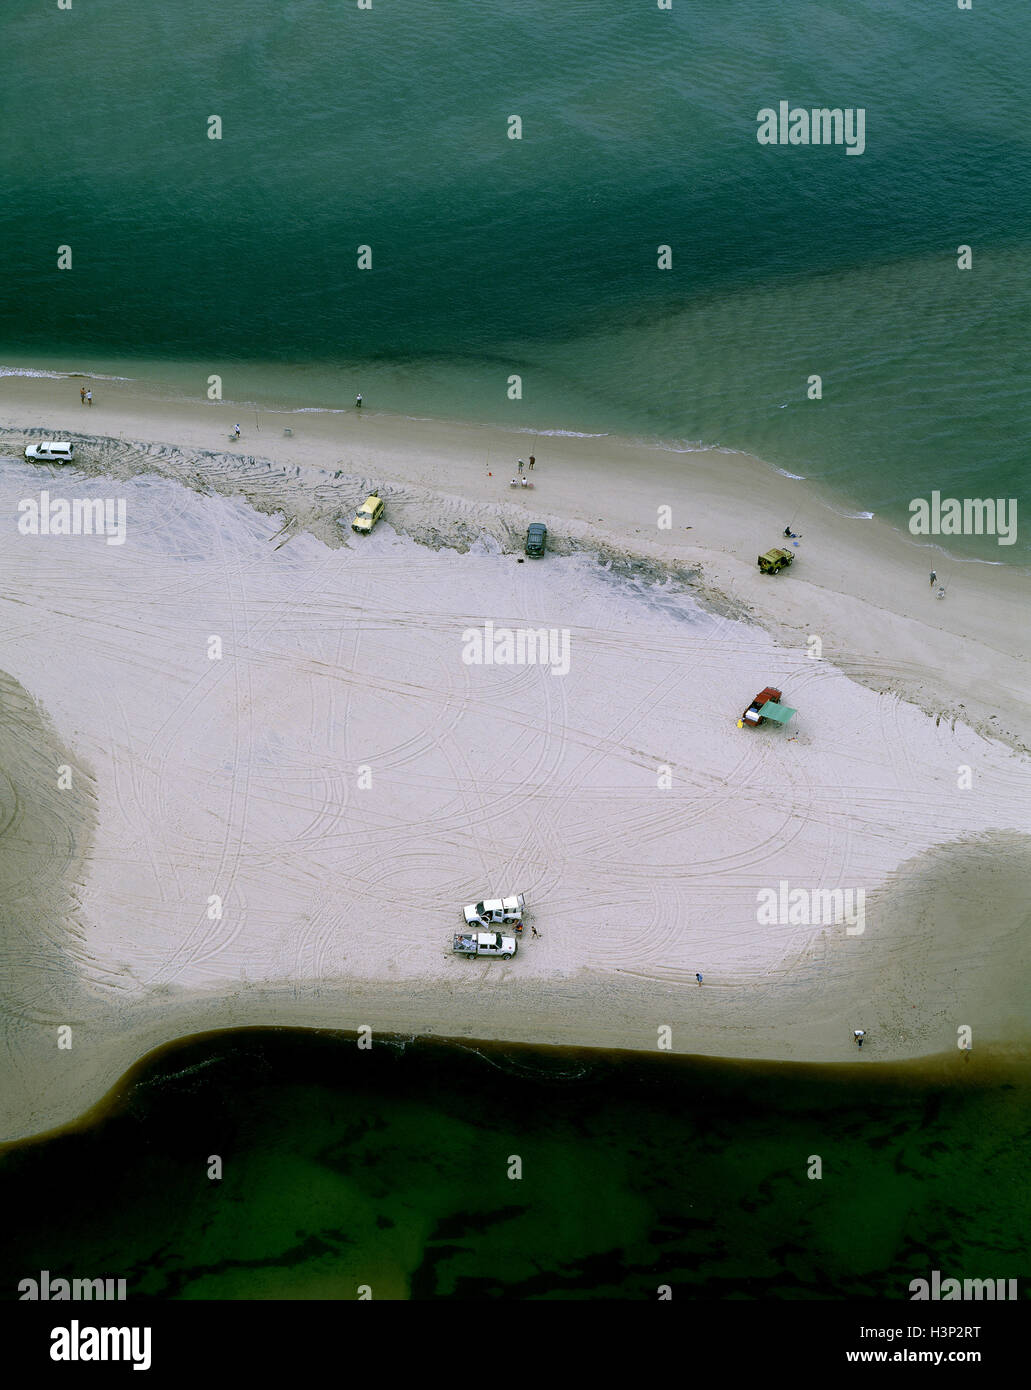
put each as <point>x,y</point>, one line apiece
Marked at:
<point>780,714</point>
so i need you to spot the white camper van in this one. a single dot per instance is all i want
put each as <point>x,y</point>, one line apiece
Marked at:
<point>53,450</point>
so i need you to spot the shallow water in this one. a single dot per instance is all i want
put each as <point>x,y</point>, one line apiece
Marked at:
<point>390,1168</point>
<point>538,256</point>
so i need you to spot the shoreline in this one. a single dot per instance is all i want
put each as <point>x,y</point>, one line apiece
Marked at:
<point>168,397</point>
<point>948,881</point>
<point>992,1068</point>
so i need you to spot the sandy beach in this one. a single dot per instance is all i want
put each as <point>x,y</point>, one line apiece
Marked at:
<point>280,827</point>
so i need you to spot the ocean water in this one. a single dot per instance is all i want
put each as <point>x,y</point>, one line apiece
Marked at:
<point>538,257</point>
<point>490,256</point>
<point>393,1168</point>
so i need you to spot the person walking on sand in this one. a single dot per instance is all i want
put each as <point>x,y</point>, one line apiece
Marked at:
<point>859,1034</point>
<point>89,397</point>
<point>82,394</point>
<point>358,401</point>
<point>535,932</point>
<point>236,431</point>
<point>933,578</point>
<point>699,976</point>
<point>532,462</point>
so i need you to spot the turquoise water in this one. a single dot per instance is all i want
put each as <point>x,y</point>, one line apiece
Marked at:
<point>393,1169</point>
<point>538,257</point>
<point>491,256</point>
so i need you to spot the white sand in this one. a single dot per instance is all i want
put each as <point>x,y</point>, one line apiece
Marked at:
<point>243,777</point>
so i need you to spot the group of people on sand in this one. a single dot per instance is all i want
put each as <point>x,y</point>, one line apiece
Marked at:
<point>523,478</point>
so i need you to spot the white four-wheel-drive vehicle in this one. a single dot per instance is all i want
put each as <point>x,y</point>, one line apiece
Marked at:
<point>505,912</point>
<point>484,943</point>
<point>56,450</point>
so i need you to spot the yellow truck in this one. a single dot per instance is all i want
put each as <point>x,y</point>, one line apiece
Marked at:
<point>773,561</point>
<point>367,515</point>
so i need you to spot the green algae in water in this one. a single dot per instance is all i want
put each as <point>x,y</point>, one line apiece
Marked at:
<point>390,1169</point>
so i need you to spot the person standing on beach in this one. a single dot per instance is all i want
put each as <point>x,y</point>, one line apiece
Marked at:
<point>933,578</point>
<point>358,401</point>
<point>521,465</point>
<point>859,1034</point>
<point>82,394</point>
<point>699,976</point>
<point>89,397</point>
<point>532,462</point>
<point>236,431</point>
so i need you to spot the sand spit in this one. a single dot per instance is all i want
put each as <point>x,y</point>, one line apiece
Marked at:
<point>284,834</point>
<point>859,586</point>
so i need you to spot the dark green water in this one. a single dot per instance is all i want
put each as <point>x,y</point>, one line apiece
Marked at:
<point>538,256</point>
<point>389,1168</point>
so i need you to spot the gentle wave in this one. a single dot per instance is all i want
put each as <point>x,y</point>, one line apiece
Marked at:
<point>559,434</point>
<point>947,556</point>
<point>30,371</point>
<point>685,446</point>
<point>514,1067</point>
<point>61,376</point>
<point>434,420</point>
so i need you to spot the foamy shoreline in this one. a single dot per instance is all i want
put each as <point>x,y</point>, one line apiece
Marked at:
<point>867,790</point>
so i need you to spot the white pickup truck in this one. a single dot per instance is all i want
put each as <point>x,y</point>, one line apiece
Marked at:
<point>505,912</point>
<point>484,943</point>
